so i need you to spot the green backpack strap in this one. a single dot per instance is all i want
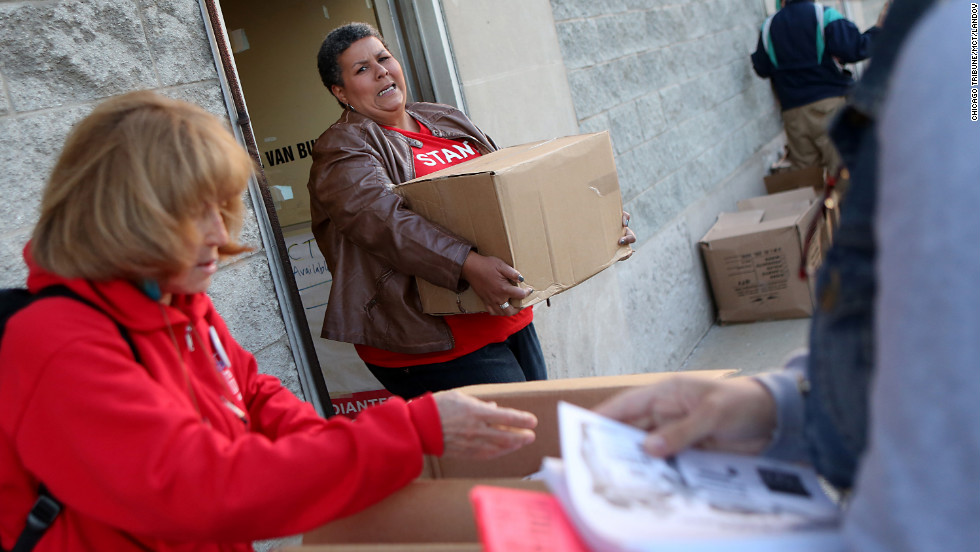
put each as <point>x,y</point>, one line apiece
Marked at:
<point>767,40</point>
<point>825,16</point>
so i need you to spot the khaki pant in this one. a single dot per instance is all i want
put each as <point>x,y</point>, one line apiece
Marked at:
<point>806,135</point>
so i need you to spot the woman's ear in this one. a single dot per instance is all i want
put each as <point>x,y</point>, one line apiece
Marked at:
<point>338,92</point>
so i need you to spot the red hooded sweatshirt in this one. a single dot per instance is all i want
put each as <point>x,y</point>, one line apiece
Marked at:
<point>165,455</point>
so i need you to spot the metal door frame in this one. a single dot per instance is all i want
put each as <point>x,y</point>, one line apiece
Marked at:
<point>416,33</point>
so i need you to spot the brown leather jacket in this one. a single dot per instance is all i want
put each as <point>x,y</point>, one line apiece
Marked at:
<point>374,245</point>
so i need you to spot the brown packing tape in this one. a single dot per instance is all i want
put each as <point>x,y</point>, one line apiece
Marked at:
<point>767,202</point>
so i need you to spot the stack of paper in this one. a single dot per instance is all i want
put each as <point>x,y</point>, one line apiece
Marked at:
<point>621,499</point>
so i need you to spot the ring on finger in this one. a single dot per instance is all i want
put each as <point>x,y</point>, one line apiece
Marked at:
<point>505,305</point>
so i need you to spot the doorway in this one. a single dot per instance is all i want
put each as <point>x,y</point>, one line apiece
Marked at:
<point>274,47</point>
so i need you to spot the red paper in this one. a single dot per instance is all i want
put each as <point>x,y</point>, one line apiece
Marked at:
<point>518,520</point>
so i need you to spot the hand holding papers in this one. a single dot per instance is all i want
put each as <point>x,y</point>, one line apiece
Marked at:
<point>622,499</point>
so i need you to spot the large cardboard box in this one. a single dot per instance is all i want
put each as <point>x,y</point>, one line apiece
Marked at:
<point>434,512</point>
<point>426,511</point>
<point>754,257</point>
<point>550,209</point>
<point>541,399</point>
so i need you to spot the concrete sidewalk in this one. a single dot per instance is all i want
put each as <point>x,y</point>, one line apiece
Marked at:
<point>749,348</point>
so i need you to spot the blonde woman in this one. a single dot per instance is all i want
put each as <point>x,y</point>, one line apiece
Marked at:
<point>188,446</point>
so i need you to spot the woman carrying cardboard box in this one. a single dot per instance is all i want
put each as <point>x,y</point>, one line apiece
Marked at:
<point>375,246</point>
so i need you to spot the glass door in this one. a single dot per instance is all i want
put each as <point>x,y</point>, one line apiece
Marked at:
<point>275,45</point>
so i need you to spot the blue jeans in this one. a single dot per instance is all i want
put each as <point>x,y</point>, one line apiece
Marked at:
<point>518,358</point>
<point>841,333</point>
<point>842,348</point>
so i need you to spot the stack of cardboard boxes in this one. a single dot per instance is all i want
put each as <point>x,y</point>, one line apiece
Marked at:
<point>761,259</point>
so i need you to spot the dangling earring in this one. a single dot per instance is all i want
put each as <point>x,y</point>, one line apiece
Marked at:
<point>350,107</point>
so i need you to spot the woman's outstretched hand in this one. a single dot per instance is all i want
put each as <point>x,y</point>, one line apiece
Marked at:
<point>736,415</point>
<point>477,429</point>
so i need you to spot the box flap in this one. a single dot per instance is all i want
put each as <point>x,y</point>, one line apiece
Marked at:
<point>506,159</point>
<point>791,210</point>
<point>761,214</point>
<point>771,200</point>
<point>733,224</point>
<point>789,180</point>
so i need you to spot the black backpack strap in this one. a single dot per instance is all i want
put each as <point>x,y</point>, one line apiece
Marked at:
<point>65,291</point>
<point>42,515</point>
<point>46,508</point>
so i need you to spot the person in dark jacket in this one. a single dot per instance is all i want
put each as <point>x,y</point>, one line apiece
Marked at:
<point>801,48</point>
<point>375,246</point>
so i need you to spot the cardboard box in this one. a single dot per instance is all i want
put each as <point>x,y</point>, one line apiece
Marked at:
<point>754,257</point>
<point>813,177</point>
<point>425,511</point>
<point>550,209</point>
<point>541,399</point>
<point>782,181</point>
<point>434,511</point>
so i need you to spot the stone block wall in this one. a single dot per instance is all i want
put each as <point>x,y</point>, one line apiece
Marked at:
<point>693,131</point>
<point>672,82</point>
<point>58,59</point>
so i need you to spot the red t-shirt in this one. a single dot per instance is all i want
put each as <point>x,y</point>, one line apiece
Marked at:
<point>470,331</point>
